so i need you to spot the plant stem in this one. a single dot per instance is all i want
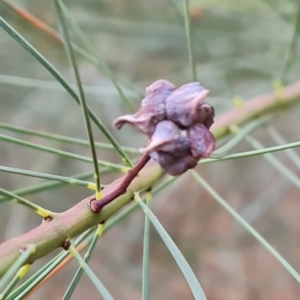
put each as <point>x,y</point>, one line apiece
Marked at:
<point>67,225</point>
<point>97,206</point>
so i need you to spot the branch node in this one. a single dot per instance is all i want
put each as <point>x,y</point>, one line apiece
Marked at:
<point>96,206</point>
<point>48,219</point>
<point>89,201</point>
<point>22,249</point>
<point>149,190</point>
<point>66,244</point>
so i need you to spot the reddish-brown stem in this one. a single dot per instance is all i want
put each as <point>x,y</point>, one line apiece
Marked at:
<point>97,206</point>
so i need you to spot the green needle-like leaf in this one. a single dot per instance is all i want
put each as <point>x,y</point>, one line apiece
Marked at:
<point>100,63</point>
<point>4,282</point>
<point>35,279</point>
<point>83,103</point>
<point>252,153</point>
<point>239,137</point>
<point>275,162</point>
<point>58,152</point>
<point>189,39</point>
<point>47,176</point>
<point>53,85</point>
<point>42,60</point>
<point>145,277</point>
<point>98,284</point>
<point>292,50</point>
<point>276,136</point>
<point>66,139</point>
<point>51,185</point>
<point>69,292</point>
<point>17,278</point>
<point>246,225</point>
<point>178,256</point>
<point>17,199</point>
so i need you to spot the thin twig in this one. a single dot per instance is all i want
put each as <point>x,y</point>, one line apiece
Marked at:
<point>97,206</point>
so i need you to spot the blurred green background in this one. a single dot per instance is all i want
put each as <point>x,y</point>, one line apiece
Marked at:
<point>240,49</point>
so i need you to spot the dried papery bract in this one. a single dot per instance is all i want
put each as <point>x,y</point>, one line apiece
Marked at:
<point>183,105</point>
<point>202,141</point>
<point>173,164</point>
<point>152,110</point>
<point>176,122</point>
<point>167,137</point>
<point>170,147</point>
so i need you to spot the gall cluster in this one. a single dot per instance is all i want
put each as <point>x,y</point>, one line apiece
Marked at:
<point>176,122</point>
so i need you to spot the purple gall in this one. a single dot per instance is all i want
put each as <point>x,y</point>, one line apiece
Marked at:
<point>176,123</point>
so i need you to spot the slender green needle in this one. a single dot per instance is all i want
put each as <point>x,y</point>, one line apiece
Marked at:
<point>205,49</point>
<point>292,50</point>
<point>45,63</point>
<point>246,225</point>
<point>69,180</point>
<point>17,278</point>
<point>177,255</point>
<point>51,185</point>
<point>132,89</point>
<point>98,284</point>
<point>69,292</point>
<point>276,136</point>
<point>24,255</point>
<point>252,153</point>
<point>100,63</point>
<point>275,162</point>
<point>145,277</point>
<point>58,152</point>
<point>82,99</point>
<point>189,40</point>
<point>53,85</point>
<point>66,139</point>
<point>17,199</point>
<point>37,277</point>
<point>239,137</point>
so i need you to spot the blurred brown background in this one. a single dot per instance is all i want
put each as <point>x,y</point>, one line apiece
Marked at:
<point>240,49</point>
